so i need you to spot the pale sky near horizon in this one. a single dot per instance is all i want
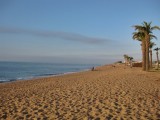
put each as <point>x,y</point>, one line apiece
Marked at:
<point>73,31</point>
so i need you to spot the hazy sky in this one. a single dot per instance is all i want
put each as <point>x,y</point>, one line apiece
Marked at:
<point>73,31</point>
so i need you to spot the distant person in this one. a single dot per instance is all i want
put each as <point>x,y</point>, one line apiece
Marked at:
<point>93,69</point>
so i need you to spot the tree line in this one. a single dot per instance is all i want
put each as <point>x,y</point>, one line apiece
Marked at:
<point>128,60</point>
<point>144,34</point>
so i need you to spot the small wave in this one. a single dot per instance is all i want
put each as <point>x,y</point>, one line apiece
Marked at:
<point>3,81</point>
<point>47,74</point>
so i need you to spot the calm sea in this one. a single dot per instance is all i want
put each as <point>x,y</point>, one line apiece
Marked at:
<point>12,71</point>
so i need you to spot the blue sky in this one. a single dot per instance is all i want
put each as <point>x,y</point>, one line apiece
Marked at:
<point>73,31</point>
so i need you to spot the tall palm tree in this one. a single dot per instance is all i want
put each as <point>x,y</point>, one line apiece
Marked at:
<point>150,51</point>
<point>157,49</point>
<point>146,29</point>
<point>141,37</point>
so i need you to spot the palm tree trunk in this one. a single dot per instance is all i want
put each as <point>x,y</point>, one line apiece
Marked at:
<point>147,52</point>
<point>157,60</point>
<point>150,58</point>
<point>143,55</point>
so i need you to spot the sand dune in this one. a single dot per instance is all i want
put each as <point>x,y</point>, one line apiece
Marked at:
<point>115,93</point>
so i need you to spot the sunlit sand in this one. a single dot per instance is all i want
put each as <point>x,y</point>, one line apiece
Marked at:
<point>109,92</point>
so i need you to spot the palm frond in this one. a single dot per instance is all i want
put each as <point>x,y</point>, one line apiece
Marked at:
<point>151,44</point>
<point>155,27</point>
<point>156,49</point>
<point>138,36</point>
<point>139,28</point>
<point>147,27</point>
<point>152,36</point>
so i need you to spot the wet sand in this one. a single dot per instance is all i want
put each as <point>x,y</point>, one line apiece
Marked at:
<point>116,93</point>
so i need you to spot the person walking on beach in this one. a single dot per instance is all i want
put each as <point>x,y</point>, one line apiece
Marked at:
<point>92,68</point>
<point>131,62</point>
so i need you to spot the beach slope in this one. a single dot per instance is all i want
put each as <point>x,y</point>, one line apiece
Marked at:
<point>110,92</point>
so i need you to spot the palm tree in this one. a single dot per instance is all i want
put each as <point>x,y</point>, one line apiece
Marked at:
<point>156,49</point>
<point>131,61</point>
<point>125,59</point>
<point>141,37</point>
<point>146,29</point>
<point>150,51</point>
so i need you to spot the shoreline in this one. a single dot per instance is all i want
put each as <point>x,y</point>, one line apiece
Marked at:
<point>45,75</point>
<point>51,76</point>
<point>39,77</point>
<point>109,92</point>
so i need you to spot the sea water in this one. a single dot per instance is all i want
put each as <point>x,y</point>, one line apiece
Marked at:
<point>12,71</point>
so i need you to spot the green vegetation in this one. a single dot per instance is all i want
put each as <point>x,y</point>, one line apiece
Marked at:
<point>128,60</point>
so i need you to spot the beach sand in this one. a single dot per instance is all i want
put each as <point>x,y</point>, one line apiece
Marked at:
<point>116,93</point>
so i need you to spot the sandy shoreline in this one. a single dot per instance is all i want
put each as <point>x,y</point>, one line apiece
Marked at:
<point>108,93</point>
